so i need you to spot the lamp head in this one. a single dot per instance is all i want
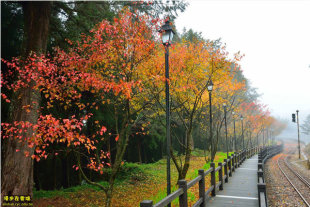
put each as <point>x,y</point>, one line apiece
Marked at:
<point>210,85</point>
<point>167,33</point>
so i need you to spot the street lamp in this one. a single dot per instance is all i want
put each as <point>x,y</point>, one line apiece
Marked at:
<point>241,118</point>
<point>233,113</point>
<point>297,116</point>
<point>224,106</point>
<point>167,35</point>
<point>264,137</point>
<point>210,88</point>
<point>268,136</point>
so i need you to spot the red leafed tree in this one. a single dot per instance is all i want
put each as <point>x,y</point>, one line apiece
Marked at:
<point>16,169</point>
<point>108,64</point>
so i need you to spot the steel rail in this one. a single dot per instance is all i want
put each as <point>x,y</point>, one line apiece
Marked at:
<point>296,189</point>
<point>297,174</point>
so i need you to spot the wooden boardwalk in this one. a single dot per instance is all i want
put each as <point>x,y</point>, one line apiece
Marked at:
<point>241,190</point>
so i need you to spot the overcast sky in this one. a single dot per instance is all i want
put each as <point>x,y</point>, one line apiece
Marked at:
<point>274,35</point>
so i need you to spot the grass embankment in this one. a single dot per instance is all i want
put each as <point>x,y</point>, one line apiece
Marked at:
<point>136,182</point>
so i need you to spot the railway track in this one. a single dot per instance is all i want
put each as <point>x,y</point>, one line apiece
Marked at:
<point>298,182</point>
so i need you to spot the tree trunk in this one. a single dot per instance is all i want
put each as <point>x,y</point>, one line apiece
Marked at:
<point>54,173</point>
<point>37,176</point>
<point>37,19</point>
<point>139,151</point>
<point>65,171</point>
<point>187,158</point>
<point>120,151</point>
<point>214,146</point>
<point>79,173</point>
<point>17,169</point>
<point>145,157</point>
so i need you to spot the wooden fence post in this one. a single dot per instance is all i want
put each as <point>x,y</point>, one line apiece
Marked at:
<point>202,186</point>
<point>233,162</point>
<point>238,160</point>
<point>221,176</point>
<point>183,197</point>
<point>262,188</point>
<point>229,166</point>
<point>225,171</point>
<point>260,174</point>
<point>146,203</point>
<point>213,181</point>
<point>243,155</point>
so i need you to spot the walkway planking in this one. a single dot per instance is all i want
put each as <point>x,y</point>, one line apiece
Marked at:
<point>241,189</point>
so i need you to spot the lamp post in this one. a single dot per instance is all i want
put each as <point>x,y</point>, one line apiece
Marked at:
<point>235,149</point>
<point>264,137</point>
<point>241,118</point>
<point>167,35</point>
<point>224,106</point>
<point>297,116</point>
<point>210,88</point>
<point>268,136</point>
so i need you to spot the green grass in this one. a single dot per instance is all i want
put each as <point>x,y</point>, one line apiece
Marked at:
<point>191,196</point>
<point>190,176</point>
<point>162,194</point>
<point>199,153</point>
<point>49,194</point>
<point>131,173</point>
<point>66,192</point>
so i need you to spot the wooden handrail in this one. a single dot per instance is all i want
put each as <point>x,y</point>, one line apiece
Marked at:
<point>228,167</point>
<point>263,155</point>
<point>193,182</point>
<point>169,198</point>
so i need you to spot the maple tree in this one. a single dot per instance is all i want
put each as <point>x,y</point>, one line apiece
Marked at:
<point>192,64</point>
<point>225,91</point>
<point>257,119</point>
<point>188,83</point>
<point>105,65</point>
<point>255,115</point>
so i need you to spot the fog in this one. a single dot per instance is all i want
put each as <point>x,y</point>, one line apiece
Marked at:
<point>273,36</point>
<point>291,133</point>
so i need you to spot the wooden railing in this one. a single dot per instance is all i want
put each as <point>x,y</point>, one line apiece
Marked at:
<point>228,167</point>
<point>263,155</point>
